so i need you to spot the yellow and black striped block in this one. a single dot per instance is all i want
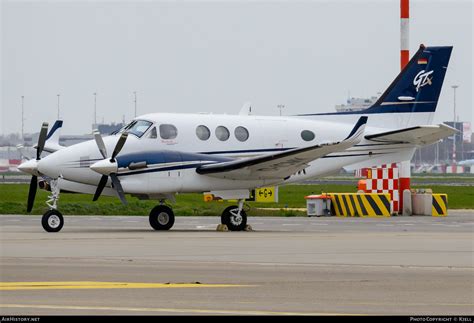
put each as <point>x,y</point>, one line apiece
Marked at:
<point>360,204</point>
<point>439,205</point>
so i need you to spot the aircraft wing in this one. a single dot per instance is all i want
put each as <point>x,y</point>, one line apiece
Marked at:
<point>420,135</point>
<point>284,164</point>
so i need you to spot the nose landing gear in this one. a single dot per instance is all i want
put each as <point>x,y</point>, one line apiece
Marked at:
<point>52,220</point>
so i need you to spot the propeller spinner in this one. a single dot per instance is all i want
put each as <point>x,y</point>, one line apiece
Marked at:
<point>108,167</point>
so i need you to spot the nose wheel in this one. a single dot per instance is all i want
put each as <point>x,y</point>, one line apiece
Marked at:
<point>52,221</point>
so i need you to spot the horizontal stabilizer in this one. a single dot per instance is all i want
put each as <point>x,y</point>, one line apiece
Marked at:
<point>420,135</point>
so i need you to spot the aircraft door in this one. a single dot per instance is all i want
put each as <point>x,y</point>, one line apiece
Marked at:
<point>169,178</point>
<point>275,134</point>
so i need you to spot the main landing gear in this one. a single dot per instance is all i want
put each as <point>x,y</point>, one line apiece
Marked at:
<point>161,217</point>
<point>234,217</point>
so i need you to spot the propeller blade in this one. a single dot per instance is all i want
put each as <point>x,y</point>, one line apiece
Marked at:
<point>119,145</point>
<point>100,187</point>
<point>100,143</point>
<point>118,188</point>
<point>32,193</point>
<point>41,140</point>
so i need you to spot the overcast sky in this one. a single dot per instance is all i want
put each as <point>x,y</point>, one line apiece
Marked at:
<point>194,56</point>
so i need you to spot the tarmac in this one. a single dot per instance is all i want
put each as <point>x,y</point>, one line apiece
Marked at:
<point>117,265</point>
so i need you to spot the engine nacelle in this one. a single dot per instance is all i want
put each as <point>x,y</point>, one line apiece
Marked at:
<point>44,185</point>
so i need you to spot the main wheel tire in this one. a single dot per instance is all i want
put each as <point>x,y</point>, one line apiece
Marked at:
<point>52,221</point>
<point>232,221</point>
<point>161,217</point>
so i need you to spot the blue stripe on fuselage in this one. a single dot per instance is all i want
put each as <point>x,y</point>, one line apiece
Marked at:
<point>245,151</point>
<point>165,156</point>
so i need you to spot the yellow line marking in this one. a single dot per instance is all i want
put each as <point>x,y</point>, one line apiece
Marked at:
<point>412,304</point>
<point>104,285</point>
<point>166,310</point>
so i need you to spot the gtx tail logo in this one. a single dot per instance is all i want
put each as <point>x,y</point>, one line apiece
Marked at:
<point>422,78</point>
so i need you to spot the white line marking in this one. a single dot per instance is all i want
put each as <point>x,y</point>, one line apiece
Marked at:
<point>161,310</point>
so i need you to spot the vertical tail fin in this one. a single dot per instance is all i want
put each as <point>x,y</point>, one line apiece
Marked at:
<point>52,139</point>
<point>418,86</point>
<point>411,99</point>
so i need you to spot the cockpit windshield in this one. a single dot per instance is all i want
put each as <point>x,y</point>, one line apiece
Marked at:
<point>137,127</point>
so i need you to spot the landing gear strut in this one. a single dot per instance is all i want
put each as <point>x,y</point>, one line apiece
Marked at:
<point>52,220</point>
<point>234,217</point>
<point>161,217</point>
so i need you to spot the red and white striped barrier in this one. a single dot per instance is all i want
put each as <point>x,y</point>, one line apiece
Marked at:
<point>385,179</point>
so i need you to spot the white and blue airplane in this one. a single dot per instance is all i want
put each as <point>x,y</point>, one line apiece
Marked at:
<point>162,154</point>
<point>466,162</point>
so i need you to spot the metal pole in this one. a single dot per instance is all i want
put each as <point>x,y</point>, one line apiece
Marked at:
<point>454,88</point>
<point>280,106</point>
<point>135,93</point>
<point>22,118</point>
<point>58,105</point>
<point>95,110</point>
<point>437,153</point>
<point>454,123</point>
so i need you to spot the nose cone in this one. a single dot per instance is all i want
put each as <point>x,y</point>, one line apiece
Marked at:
<point>104,167</point>
<point>50,166</point>
<point>29,167</point>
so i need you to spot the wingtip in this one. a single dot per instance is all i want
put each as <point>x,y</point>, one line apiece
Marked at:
<point>360,123</point>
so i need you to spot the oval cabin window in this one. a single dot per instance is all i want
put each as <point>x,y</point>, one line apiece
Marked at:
<point>203,132</point>
<point>241,133</point>
<point>307,135</point>
<point>222,133</point>
<point>168,131</point>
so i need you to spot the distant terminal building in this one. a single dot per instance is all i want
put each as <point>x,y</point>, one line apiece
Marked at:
<point>356,104</point>
<point>108,128</point>
<point>68,140</point>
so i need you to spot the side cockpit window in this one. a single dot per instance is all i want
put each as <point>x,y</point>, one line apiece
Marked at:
<point>153,134</point>
<point>137,127</point>
<point>168,131</point>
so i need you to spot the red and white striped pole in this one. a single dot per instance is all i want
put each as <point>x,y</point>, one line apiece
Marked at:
<point>405,172</point>
<point>404,32</point>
